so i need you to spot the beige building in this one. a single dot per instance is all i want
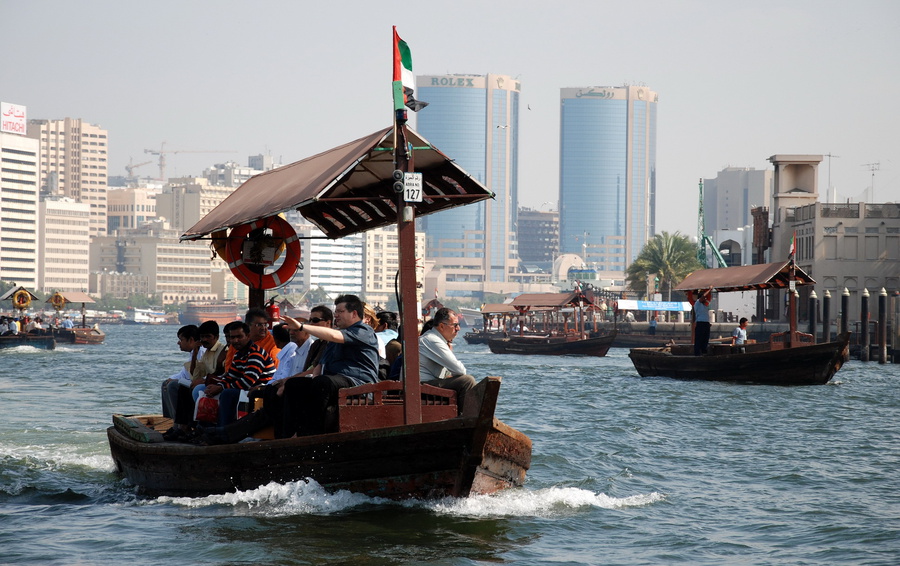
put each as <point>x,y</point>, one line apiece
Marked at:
<point>177,271</point>
<point>19,227</point>
<point>128,208</point>
<point>74,163</point>
<point>381,260</point>
<point>735,191</point>
<point>185,200</point>
<point>64,245</point>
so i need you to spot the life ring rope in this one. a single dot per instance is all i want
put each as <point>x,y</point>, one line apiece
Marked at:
<point>242,270</point>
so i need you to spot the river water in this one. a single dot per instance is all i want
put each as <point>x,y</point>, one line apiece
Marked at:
<point>625,471</point>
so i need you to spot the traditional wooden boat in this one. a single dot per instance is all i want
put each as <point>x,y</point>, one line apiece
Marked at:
<point>788,358</point>
<point>553,345</point>
<point>396,439</point>
<point>198,312</point>
<point>553,313</point>
<point>468,455</point>
<point>79,334</point>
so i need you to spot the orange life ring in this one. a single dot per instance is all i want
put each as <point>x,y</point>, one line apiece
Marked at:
<point>21,299</point>
<point>58,302</point>
<point>256,276</point>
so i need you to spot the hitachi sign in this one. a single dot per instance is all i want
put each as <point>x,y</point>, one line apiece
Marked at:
<point>452,81</point>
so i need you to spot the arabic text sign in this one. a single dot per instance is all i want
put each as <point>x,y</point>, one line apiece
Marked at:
<point>12,118</point>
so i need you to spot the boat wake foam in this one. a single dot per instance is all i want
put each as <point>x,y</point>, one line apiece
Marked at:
<point>308,497</point>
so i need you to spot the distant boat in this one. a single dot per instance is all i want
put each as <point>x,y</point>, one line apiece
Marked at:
<point>145,316</point>
<point>198,312</point>
<point>787,358</point>
<point>79,335</point>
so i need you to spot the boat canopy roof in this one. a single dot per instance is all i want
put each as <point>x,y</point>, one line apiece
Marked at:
<point>76,297</point>
<point>745,278</point>
<point>347,189</point>
<point>498,308</point>
<point>547,301</point>
<point>8,295</point>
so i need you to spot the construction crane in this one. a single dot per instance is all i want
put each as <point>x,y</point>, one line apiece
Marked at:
<point>162,151</point>
<point>132,166</point>
<point>703,239</point>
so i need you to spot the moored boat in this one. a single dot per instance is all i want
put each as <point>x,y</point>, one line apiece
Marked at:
<point>553,345</point>
<point>787,358</point>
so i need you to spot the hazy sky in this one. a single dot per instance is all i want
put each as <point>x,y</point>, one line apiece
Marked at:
<point>737,81</point>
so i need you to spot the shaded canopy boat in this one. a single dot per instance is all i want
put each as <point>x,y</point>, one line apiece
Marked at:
<point>493,316</point>
<point>79,334</point>
<point>21,299</point>
<point>549,313</point>
<point>396,439</point>
<point>788,358</point>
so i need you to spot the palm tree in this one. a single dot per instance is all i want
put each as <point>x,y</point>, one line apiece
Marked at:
<point>670,256</point>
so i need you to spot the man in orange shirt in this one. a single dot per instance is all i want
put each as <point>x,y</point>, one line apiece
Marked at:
<point>258,320</point>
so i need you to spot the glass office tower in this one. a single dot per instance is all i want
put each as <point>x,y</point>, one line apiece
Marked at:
<point>474,119</point>
<point>607,175</point>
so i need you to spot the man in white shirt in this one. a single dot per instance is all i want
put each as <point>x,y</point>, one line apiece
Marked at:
<point>438,364</point>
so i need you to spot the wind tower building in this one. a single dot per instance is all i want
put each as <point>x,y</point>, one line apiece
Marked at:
<point>474,118</point>
<point>607,178</point>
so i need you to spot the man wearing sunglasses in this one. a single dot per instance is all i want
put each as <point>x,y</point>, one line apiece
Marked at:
<point>438,364</point>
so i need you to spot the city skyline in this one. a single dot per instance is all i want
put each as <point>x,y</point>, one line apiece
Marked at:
<point>738,83</point>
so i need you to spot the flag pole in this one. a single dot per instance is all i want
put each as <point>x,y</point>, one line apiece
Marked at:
<point>406,242</point>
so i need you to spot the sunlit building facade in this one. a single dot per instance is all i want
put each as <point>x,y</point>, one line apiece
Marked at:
<point>607,179</point>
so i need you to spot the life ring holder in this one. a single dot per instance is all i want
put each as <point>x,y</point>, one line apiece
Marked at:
<point>21,299</point>
<point>58,302</point>
<point>246,274</point>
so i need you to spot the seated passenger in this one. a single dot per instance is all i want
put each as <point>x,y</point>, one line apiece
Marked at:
<point>438,364</point>
<point>209,360</point>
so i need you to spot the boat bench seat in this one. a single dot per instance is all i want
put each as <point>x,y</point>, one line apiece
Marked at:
<point>378,405</point>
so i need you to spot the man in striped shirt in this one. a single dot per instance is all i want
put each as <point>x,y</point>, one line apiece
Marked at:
<point>252,365</point>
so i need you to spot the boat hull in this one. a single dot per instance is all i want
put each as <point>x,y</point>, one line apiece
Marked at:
<point>79,335</point>
<point>813,364</point>
<point>14,341</point>
<point>552,346</point>
<point>456,457</point>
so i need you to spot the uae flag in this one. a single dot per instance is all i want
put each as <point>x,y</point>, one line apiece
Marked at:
<point>793,249</point>
<point>403,73</point>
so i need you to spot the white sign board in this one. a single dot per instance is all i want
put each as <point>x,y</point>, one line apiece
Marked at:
<point>12,118</point>
<point>412,187</point>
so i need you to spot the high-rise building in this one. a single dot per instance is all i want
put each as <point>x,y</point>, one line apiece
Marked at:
<point>607,174</point>
<point>538,236</point>
<point>74,163</point>
<point>64,245</point>
<point>474,119</point>
<point>381,261</point>
<point>729,198</point>
<point>19,215</point>
<point>129,207</point>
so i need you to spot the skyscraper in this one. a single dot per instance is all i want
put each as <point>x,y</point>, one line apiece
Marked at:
<point>607,177</point>
<point>74,163</point>
<point>475,120</point>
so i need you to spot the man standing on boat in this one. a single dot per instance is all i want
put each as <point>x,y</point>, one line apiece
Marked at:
<point>438,365</point>
<point>701,321</point>
<point>349,359</point>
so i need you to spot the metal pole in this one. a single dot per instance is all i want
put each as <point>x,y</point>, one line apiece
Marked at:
<point>882,326</point>
<point>812,315</point>
<point>864,326</point>
<point>826,317</point>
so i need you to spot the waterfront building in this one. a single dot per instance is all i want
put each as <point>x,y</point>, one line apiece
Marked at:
<point>19,227</point>
<point>538,237</point>
<point>474,118</point>
<point>74,163</point>
<point>607,192</point>
<point>176,271</point>
<point>334,265</point>
<point>732,194</point>
<point>381,261</point>
<point>185,200</point>
<point>127,208</point>
<point>64,244</point>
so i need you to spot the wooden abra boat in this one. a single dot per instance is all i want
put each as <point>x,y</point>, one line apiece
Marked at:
<point>767,363</point>
<point>788,358</point>
<point>44,342</point>
<point>553,345</point>
<point>461,456</point>
<point>394,439</point>
<point>79,335</point>
<point>551,312</point>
